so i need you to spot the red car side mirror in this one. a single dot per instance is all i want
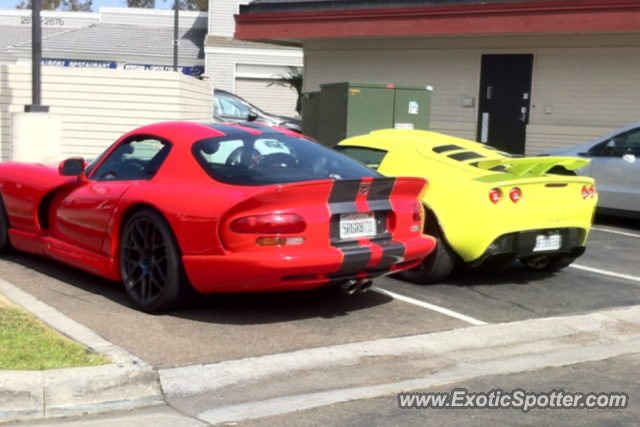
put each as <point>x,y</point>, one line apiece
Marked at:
<point>72,167</point>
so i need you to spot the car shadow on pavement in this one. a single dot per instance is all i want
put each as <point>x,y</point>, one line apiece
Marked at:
<point>232,308</point>
<point>515,274</point>
<point>275,307</point>
<point>70,275</point>
<point>629,224</point>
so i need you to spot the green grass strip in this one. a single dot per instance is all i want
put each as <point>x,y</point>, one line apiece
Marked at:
<point>26,343</point>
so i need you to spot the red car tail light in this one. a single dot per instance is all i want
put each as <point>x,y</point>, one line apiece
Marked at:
<point>416,213</point>
<point>515,194</point>
<point>495,195</point>
<point>279,241</point>
<point>584,192</point>
<point>269,224</point>
<point>592,191</point>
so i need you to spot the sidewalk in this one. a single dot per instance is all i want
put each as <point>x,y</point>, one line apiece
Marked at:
<point>279,384</point>
<point>127,383</point>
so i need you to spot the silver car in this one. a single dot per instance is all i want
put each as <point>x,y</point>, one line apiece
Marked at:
<point>615,165</point>
<point>230,108</point>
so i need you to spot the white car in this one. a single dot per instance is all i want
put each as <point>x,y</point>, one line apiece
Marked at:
<point>615,165</point>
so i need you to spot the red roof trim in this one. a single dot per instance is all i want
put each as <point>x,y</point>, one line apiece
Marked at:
<point>530,17</point>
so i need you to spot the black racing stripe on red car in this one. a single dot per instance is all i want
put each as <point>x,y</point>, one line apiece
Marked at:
<point>356,258</point>
<point>380,194</point>
<point>230,130</point>
<point>392,252</point>
<point>263,127</point>
<point>342,199</point>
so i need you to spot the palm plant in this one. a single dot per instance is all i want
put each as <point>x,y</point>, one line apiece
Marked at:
<point>293,80</point>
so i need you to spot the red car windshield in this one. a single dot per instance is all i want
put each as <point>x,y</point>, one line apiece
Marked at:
<point>273,159</point>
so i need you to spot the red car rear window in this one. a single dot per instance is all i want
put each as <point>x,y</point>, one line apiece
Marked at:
<point>273,159</point>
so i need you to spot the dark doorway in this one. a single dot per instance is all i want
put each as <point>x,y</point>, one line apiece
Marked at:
<point>505,93</point>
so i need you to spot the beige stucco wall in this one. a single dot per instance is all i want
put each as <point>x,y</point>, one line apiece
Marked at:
<point>97,106</point>
<point>583,85</point>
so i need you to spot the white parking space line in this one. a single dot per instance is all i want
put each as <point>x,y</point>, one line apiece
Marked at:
<point>432,307</point>
<point>615,232</point>
<point>606,272</point>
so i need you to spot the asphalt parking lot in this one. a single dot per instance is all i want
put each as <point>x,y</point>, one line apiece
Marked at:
<point>383,411</point>
<point>228,327</point>
<point>266,359</point>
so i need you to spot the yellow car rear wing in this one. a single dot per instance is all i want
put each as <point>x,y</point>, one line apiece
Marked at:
<point>536,166</point>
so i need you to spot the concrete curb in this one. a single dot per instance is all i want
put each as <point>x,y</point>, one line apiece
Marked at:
<point>284,383</point>
<point>619,328</point>
<point>128,383</point>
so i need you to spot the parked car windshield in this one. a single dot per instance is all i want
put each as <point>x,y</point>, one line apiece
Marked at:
<point>273,159</point>
<point>227,106</point>
<point>625,143</point>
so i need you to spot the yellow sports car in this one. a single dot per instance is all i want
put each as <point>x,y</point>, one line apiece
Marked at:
<point>484,206</point>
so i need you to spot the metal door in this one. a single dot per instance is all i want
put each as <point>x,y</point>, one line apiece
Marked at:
<point>505,93</point>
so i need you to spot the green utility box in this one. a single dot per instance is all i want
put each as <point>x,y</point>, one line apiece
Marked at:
<point>311,114</point>
<point>342,110</point>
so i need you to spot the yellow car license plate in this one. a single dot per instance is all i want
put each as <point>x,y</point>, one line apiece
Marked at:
<point>548,242</point>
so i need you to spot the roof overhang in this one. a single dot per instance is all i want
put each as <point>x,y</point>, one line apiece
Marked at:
<point>535,17</point>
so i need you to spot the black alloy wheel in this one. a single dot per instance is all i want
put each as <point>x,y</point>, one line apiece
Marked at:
<point>150,263</point>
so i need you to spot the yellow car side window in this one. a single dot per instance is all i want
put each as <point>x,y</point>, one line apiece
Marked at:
<point>368,156</point>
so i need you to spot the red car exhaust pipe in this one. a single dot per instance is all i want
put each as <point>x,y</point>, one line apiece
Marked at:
<point>350,287</point>
<point>365,285</point>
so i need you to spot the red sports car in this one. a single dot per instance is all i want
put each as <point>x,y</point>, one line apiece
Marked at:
<point>217,208</point>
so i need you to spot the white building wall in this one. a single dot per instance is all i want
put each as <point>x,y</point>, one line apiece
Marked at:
<point>583,86</point>
<point>581,94</point>
<point>221,16</point>
<point>221,70</point>
<point>98,106</point>
<point>578,85</point>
